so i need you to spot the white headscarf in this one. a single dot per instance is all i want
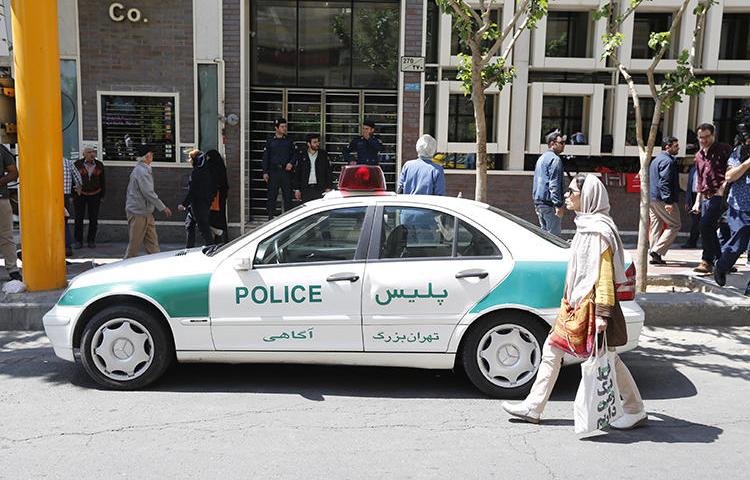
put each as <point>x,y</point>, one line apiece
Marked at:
<point>426,146</point>
<point>595,233</point>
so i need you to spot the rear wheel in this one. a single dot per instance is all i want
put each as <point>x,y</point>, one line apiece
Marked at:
<point>125,348</point>
<point>501,355</point>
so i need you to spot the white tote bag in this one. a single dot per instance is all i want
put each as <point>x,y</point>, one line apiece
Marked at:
<point>598,401</point>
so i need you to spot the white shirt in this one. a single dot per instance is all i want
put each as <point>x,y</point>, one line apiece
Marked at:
<point>313,180</point>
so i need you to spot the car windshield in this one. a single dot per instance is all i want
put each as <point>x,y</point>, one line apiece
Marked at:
<point>214,249</point>
<point>532,228</point>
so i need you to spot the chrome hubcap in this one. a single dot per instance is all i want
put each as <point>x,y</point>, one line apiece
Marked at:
<point>122,349</point>
<point>509,355</point>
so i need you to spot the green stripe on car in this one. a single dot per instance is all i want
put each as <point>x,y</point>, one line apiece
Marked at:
<point>533,284</point>
<point>185,296</point>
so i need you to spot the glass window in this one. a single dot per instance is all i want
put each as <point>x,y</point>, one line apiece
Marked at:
<point>643,25</point>
<point>567,34</point>
<point>735,37</point>
<point>128,120</point>
<point>375,44</point>
<point>554,239</point>
<point>565,114</point>
<point>430,109</point>
<point>208,107</point>
<point>69,91</point>
<point>647,113</point>
<point>467,161</point>
<point>410,232</point>
<point>473,243</point>
<point>433,20</point>
<point>273,40</point>
<point>725,118</point>
<point>327,236</point>
<point>461,124</point>
<point>325,32</point>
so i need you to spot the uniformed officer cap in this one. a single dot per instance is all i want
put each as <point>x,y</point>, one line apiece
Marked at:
<point>279,121</point>
<point>369,123</point>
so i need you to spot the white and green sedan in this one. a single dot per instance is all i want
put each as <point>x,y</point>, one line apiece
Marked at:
<point>376,279</point>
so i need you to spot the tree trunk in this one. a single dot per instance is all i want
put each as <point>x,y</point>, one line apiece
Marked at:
<point>479,98</point>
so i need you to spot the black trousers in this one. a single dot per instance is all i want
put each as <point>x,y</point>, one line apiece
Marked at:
<point>82,204</point>
<point>695,228</point>
<point>199,217</point>
<point>311,192</point>
<point>279,179</point>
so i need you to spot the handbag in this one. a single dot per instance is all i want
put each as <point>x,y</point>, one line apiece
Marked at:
<point>573,331</point>
<point>215,204</point>
<point>598,401</point>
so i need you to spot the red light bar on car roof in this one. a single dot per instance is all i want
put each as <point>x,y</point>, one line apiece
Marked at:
<point>362,179</point>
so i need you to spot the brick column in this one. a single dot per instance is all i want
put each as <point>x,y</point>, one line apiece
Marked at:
<point>412,108</point>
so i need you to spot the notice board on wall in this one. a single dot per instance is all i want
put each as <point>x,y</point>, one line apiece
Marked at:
<point>128,120</point>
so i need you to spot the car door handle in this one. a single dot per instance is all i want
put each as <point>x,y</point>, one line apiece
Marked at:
<point>472,273</point>
<point>342,277</point>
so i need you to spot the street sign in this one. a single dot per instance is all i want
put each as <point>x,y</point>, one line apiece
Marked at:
<point>412,64</point>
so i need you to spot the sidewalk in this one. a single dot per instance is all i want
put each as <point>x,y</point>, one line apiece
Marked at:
<point>676,296</point>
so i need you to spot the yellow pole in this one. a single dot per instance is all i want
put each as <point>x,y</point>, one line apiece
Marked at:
<point>36,57</point>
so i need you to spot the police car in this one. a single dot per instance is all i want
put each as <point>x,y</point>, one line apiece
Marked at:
<point>360,277</point>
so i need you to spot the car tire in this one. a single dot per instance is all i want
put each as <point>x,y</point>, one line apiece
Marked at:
<point>125,348</point>
<point>502,353</point>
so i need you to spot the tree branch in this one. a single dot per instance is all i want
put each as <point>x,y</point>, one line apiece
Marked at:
<point>700,25</point>
<point>636,106</point>
<point>512,43</point>
<point>663,50</point>
<point>506,31</point>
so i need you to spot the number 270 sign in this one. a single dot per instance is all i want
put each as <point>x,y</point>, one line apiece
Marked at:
<point>412,64</point>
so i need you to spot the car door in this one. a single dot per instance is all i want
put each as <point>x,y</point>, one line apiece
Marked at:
<point>302,290</point>
<point>426,269</point>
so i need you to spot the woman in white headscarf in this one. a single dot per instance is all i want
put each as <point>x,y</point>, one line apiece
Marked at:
<point>596,264</point>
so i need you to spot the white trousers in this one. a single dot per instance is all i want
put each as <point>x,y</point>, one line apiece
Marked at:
<point>550,367</point>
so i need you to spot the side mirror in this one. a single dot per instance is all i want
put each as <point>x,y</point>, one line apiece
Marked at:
<point>244,264</point>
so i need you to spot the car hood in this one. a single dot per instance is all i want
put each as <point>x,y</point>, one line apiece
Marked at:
<point>160,266</point>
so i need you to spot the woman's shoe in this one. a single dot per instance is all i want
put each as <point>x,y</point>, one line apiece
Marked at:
<point>519,410</point>
<point>630,420</point>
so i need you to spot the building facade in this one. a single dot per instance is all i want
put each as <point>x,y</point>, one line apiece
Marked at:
<point>214,74</point>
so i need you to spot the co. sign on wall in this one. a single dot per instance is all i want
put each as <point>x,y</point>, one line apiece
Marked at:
<point>118,13</point>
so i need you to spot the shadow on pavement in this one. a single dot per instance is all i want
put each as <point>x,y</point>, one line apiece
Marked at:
<point>661,429</point>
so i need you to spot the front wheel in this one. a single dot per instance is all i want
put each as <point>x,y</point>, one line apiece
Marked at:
<point>125,348</point>
<point>501,355</point>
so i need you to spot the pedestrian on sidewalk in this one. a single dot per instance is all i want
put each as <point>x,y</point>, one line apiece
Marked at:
<point>664,206</point>
<point>313,175</point>
<point>7,244</point>
<point>279,157</point>
<point>711,164</point>
<point>89,197</point>
<point>422,176</point>
<point>596,264</point>
<point>140,203</point>
<point>548,187</point>
<point>72,182</point>
<point>738,175</point>
<point>367,147</point>
<point>218,214</point>
<point>201,193</point>
<point>691,193</point>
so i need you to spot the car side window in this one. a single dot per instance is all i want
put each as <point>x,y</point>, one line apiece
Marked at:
<point>409,232</point>
<point>327,236</point>
<point>473,243</point>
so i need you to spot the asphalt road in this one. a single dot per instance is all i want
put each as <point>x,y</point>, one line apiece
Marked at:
<point>261,421</point>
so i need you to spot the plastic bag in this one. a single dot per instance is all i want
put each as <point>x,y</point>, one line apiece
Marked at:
<point>598,401</point>
<point>14,286</point>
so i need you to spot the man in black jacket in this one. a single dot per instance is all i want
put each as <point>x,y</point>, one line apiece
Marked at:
<point>312,175</point>
<point>278,163</point>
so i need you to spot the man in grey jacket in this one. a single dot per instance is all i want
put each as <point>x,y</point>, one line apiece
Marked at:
<point>140,204</point>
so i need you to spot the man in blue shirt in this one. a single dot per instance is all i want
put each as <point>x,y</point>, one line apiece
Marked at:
<point>548,187</point>
<point>423,176</point>
<point>738,174</point>
<point>279,159</point>
<point>664,206</point>
<point>367,147</point>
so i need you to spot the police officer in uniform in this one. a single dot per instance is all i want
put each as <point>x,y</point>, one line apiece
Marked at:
<point>278,164</point>
<point>367,147</point>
